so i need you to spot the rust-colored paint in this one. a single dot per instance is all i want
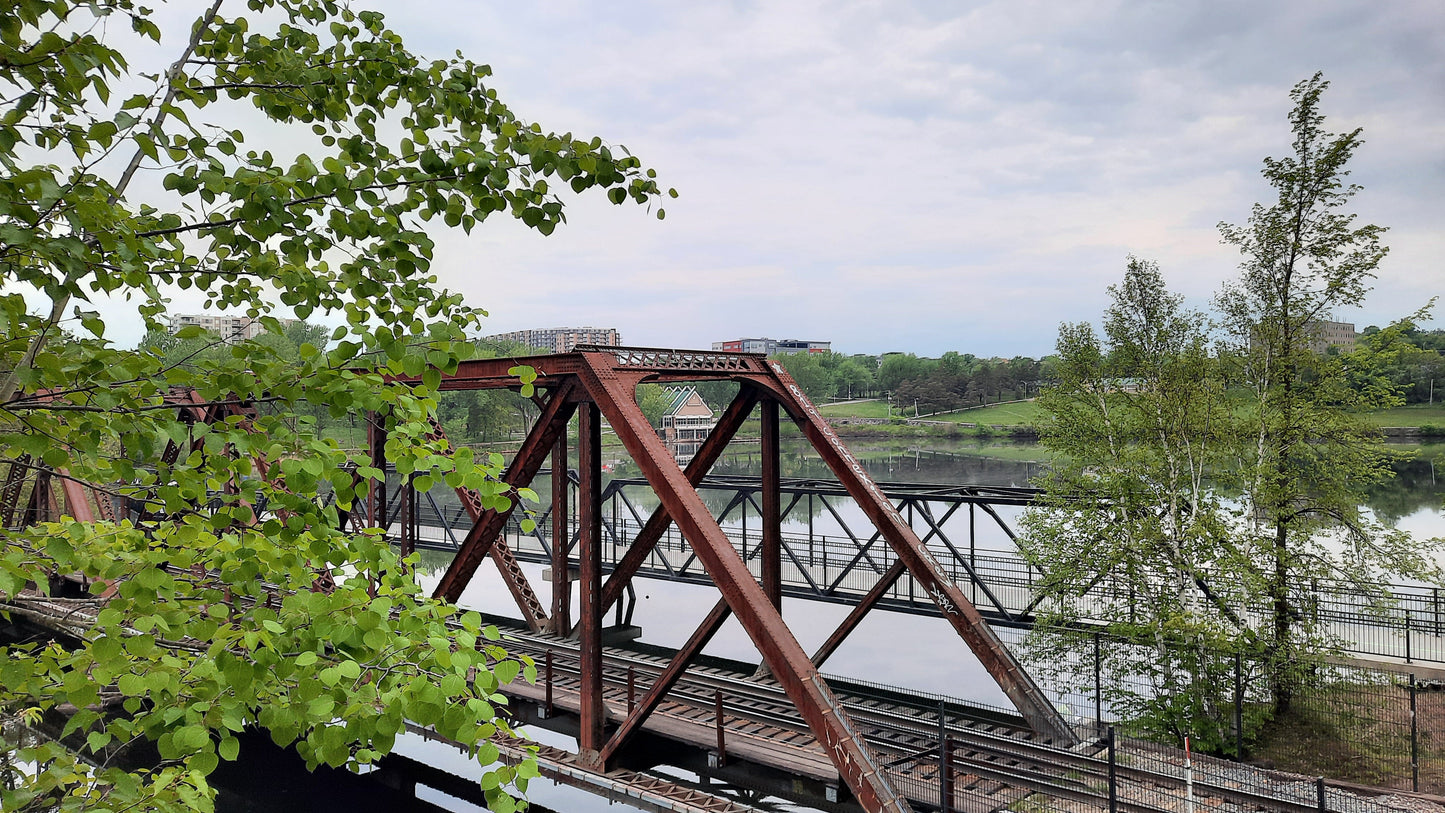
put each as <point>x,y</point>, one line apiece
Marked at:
<point>665,681</point>
<point>593,714</point>
<point>561,536</point>
<point>858,612</point>
<point>772,552</point>
<point>612,386</point>
<point>952,604</point>
<point>727,426</point>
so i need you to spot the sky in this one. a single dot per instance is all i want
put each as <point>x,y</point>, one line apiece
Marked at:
<point>930,176</point>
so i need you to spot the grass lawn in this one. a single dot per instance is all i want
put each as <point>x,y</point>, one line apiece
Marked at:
<point>1413,415</point>
<point>861,409</point>
<point>999,414</point>
<point>1022,413</point>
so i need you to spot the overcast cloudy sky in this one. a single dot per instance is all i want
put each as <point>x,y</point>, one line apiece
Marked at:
<point>931,175</point>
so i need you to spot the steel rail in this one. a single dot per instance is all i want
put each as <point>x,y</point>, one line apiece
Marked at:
<point>897,731</point>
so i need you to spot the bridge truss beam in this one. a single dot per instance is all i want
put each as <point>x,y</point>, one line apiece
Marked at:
<point>605,380</point>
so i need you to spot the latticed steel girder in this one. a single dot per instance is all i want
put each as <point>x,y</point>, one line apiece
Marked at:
<point>607,378</point>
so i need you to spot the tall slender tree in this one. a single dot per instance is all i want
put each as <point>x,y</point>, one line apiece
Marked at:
<point>1309,456</point>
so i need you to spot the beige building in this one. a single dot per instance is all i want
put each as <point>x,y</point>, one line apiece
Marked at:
<point>1333,334</point>
<point>231,329</point>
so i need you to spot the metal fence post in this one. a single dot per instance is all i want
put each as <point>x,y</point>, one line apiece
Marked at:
<point>631,689</point>
<point>1113,773</point>
<point>944,791</point>
<point>1238,706</point>
<point>1320,792</point>
<point>549,683</point>
<point>810,528</point>
<point>1098,683</point>
<point>1435,597</point>
<point>1407,636</point>
<point>744,506</point>
<point>1414,740</point>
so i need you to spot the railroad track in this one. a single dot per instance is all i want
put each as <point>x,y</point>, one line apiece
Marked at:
<point>989,756</point>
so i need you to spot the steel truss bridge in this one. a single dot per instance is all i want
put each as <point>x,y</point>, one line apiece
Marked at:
<point>963,527</point>
<point>786,716</point>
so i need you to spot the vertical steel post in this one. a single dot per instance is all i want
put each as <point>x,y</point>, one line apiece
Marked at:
<point>1408,625</point>
<point>972,551</point>
<point>1098,683</point>
<point>772,550</point>
<point>414,511</point>
<point>721,745</point>
<point>1414,740</point>
<point>744,506</point>
<point>1113,773</point>
<point>376,494</point>
<point>631,689</point>
<point>409,525</point>
<point>548,705</point>
<point>1238,706</point>
<point>561,537</point>
<point>1320,793</point>
<point>1435,596</point>
<point>825,553</point>
<point>589,555</point>
<point>945,789</point>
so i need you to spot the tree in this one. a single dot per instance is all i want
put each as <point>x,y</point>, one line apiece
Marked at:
<point>895,368</point>
<point>212,624</point>
<point>808,370</point>
<point>654,401</point>
<point>1309,458</point>
<point>853,380</point>
<point>1130,532</point>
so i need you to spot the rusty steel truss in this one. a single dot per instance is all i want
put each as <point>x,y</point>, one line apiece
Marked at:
<point>594,384</point>
<point>597,383</point>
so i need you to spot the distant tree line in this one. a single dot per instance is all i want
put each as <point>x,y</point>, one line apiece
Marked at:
<point>952,381</point>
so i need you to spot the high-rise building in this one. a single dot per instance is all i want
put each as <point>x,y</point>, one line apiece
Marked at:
<point>231,329</point>
<point>560,339</point>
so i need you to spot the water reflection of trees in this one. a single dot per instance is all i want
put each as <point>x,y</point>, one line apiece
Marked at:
<point>1416,486</point>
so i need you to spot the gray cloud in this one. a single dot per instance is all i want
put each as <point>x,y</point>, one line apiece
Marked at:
<point>931,175</point>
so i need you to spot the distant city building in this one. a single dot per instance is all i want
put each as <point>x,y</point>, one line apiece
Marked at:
<point>231,329</point>
<point>561,339</point>
<point>1332,334</point>
<point>772,347</point>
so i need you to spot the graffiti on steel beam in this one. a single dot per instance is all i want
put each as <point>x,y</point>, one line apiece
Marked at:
<point>942,600</point>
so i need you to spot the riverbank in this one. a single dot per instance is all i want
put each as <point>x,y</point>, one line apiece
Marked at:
<point>1019,419</point>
